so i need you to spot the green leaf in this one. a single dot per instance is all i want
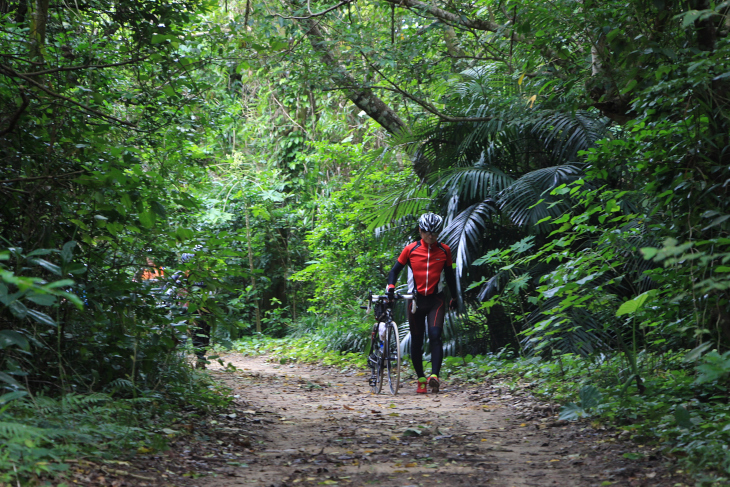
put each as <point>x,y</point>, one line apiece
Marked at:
<point>41,299</point>
<point>717,221</point>
<point>40,252</point>
<point>11,337</point>
<point>633,455</point>
<point>681,415</point>
<point>633,305</point>
<point>689,17</point>
<point>9,380</point>
<point>59,283</point>
<point>277,45</point>
<point>53,268</point>
<point>147,219</point>
<point>158,208</point>
<point>76,268</point>
<point>67,251</point>
<point>590,397</point>
<point>41,318</point>
<point>183,234</point>
<point>571,412</point>
<point>18,309</point>
<point>696,352</point>
<point>157,38</point>
<point>649,252</point>
<point>12,396</point>
<point>126,200</point>
<point>630,86</point>
<point>411,432</point>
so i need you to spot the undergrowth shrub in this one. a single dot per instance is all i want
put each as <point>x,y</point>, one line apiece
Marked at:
<point>348,332</point>
<point>39,432</point>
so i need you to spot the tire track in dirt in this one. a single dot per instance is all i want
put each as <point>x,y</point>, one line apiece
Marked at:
<point>319,426</point>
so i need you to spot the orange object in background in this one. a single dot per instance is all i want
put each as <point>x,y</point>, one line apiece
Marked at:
<point>152,273</point>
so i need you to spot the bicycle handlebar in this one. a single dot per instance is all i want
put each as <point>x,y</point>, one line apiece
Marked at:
<point>377,297</point>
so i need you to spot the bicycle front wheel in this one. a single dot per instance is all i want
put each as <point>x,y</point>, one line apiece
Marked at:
<point>392,359</point>
<point>375,363</point>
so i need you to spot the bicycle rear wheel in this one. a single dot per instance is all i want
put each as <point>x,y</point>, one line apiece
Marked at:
<point>375,362</point>
<point>392,359</point>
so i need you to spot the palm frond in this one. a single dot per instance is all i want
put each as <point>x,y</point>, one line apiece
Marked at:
<point>397,207</point>
<point>528,201</point>
<point>493,285</point>
<point>478,182</point>
<point>567,133</point>
<point>465,230</point>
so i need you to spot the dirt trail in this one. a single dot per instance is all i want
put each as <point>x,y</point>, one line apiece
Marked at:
<point>298,425</point>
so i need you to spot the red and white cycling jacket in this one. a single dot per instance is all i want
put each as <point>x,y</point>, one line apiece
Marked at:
<point>426,264</point>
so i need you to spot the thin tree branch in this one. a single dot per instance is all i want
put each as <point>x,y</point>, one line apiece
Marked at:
<point>11,72</point>
<point>318,14</point>
<point>424,104</point>
<point>87,66</point>
<point>287,113</point>
<point>34,178</point>
<point>476,24</point>
<point>16,116</point>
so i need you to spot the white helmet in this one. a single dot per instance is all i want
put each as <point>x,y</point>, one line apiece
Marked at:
<point>430,222</point>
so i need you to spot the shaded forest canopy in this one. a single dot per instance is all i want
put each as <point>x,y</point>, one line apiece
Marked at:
<point>579,152</point>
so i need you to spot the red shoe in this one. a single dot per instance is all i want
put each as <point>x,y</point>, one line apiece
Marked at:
<point>421,386</point>
<point>433,383</point>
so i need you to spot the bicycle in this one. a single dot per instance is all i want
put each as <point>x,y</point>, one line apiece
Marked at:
<point>384,344</point>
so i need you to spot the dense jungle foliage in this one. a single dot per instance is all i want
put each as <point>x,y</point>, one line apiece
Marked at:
<point>256,167</point>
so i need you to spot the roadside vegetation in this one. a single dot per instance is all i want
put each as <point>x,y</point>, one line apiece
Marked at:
<point>256,168</point>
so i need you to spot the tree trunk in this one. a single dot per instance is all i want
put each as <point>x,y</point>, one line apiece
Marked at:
<point>363,98</point>
<point>39,18</point>
<point>251,268</point>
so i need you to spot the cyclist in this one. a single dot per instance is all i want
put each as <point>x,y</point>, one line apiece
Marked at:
<point>199,325</point>
<point>427,260</point>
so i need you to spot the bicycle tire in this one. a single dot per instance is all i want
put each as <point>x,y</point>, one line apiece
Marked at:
<point>392,359</point>
<point>375,363</point>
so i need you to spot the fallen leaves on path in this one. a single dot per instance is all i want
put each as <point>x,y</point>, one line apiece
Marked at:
<point>311,426</point>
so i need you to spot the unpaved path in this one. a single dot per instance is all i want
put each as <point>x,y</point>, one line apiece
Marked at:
<point>298,425</point>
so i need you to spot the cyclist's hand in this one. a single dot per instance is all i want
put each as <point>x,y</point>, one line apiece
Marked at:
<point>391,294</point>
<point>453,304</point>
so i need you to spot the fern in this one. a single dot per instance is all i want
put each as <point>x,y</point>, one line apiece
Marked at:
<point>76,401</point>
<point>121,384</point>
<point>17,430</point>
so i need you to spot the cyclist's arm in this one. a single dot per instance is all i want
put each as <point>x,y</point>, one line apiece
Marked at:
<point>393,275</point>
<point>398,266</point>
<point>449,272</point>
<point>450,280</point>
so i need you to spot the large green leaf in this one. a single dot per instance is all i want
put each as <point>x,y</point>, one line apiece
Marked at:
<point>633,305</point>
<point>7,379</point>
<point>41,318</point>
<point>49,266</point>
<point>571,412</point>
<point>590,397</point>
<point>9,338</point>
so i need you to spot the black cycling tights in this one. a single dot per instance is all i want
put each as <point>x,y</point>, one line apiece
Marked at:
<point>430,309</point>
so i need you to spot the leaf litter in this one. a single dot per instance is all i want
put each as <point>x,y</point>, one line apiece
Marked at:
<point>311,425</point>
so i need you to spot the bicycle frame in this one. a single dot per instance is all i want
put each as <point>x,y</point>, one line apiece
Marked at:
<point>384,351</point>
